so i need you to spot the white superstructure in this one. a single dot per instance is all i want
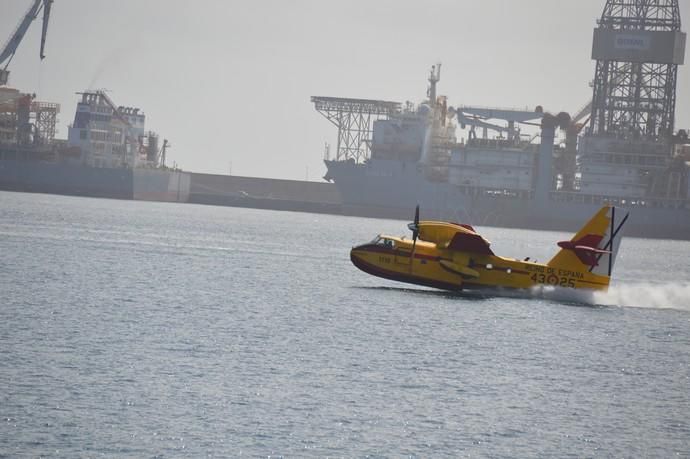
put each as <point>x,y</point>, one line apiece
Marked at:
<point>489,164</point>
<point>110,136</point>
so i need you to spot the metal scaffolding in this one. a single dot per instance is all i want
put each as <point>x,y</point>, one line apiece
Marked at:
<point>354,119</point>
<point>45,119</point>
<point>637,49</point>
<point>25,121</point>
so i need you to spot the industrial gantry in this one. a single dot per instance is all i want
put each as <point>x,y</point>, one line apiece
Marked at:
<point>354,119</point>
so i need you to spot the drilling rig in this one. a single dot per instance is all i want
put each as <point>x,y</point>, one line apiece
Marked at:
<point>628,147</point>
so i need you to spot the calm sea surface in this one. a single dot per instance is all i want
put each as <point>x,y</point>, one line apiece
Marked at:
<point>135,329</point>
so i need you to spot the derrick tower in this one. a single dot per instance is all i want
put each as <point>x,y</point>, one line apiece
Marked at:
<point>637,46</point>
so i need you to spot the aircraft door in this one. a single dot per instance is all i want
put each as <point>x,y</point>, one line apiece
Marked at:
<point>402,256</point>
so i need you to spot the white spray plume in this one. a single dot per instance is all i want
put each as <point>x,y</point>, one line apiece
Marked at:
<point>642,295</point>
<point>647,295</point>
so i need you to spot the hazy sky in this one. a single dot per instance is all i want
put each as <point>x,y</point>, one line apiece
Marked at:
<point>229,82</point>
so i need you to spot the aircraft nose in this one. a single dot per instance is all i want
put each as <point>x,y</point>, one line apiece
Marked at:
<point>357,256</point>
<point>356,253</point>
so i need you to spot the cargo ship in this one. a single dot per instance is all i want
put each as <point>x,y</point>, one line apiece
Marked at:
<point>108,152</point>
<point>621,148</point>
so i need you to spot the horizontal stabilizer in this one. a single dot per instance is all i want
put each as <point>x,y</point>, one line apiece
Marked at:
<point>586,253</point>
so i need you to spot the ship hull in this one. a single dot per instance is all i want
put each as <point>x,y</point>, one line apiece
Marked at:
<point>391,189</point>
<point>79,180</point>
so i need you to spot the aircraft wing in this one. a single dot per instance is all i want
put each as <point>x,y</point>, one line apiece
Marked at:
<point>454,236</point>
<point>470,242</point>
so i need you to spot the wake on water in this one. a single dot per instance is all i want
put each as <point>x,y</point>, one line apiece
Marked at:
<point>647,295</point>
<point>643,295</point>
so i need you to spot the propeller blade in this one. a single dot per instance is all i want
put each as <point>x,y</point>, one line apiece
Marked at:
<point>414,226</point>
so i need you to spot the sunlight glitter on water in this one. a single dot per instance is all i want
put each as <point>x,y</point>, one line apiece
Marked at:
<point>127,326</point>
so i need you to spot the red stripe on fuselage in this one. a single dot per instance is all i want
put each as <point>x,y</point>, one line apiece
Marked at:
<point>389,251</point>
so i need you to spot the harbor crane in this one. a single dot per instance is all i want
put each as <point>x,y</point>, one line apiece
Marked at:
<point>7,52</point>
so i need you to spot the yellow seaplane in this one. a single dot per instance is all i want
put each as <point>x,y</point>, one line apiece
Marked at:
<point>453,256</point>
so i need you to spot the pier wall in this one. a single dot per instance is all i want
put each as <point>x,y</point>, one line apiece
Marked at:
<point>263,193</point>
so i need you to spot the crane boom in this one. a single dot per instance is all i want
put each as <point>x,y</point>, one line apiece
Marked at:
<point>10,48</point>
<point>46,16</point>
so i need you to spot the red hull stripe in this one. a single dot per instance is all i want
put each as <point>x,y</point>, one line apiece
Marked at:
<point>426,257</point>
<point>378,249</point>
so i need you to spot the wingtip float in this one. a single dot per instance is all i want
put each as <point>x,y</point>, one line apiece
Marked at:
<point>452,256</point>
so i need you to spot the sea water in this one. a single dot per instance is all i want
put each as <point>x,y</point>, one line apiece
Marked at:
<point>136,329</point>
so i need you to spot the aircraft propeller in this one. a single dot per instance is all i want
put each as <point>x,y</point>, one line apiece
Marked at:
<point>414,227</point>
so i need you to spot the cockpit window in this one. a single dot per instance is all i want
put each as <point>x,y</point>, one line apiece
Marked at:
<point>383,241</point>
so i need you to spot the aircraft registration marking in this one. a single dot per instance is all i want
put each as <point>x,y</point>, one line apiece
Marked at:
<point>553,276</point>
<point>552,279</point>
